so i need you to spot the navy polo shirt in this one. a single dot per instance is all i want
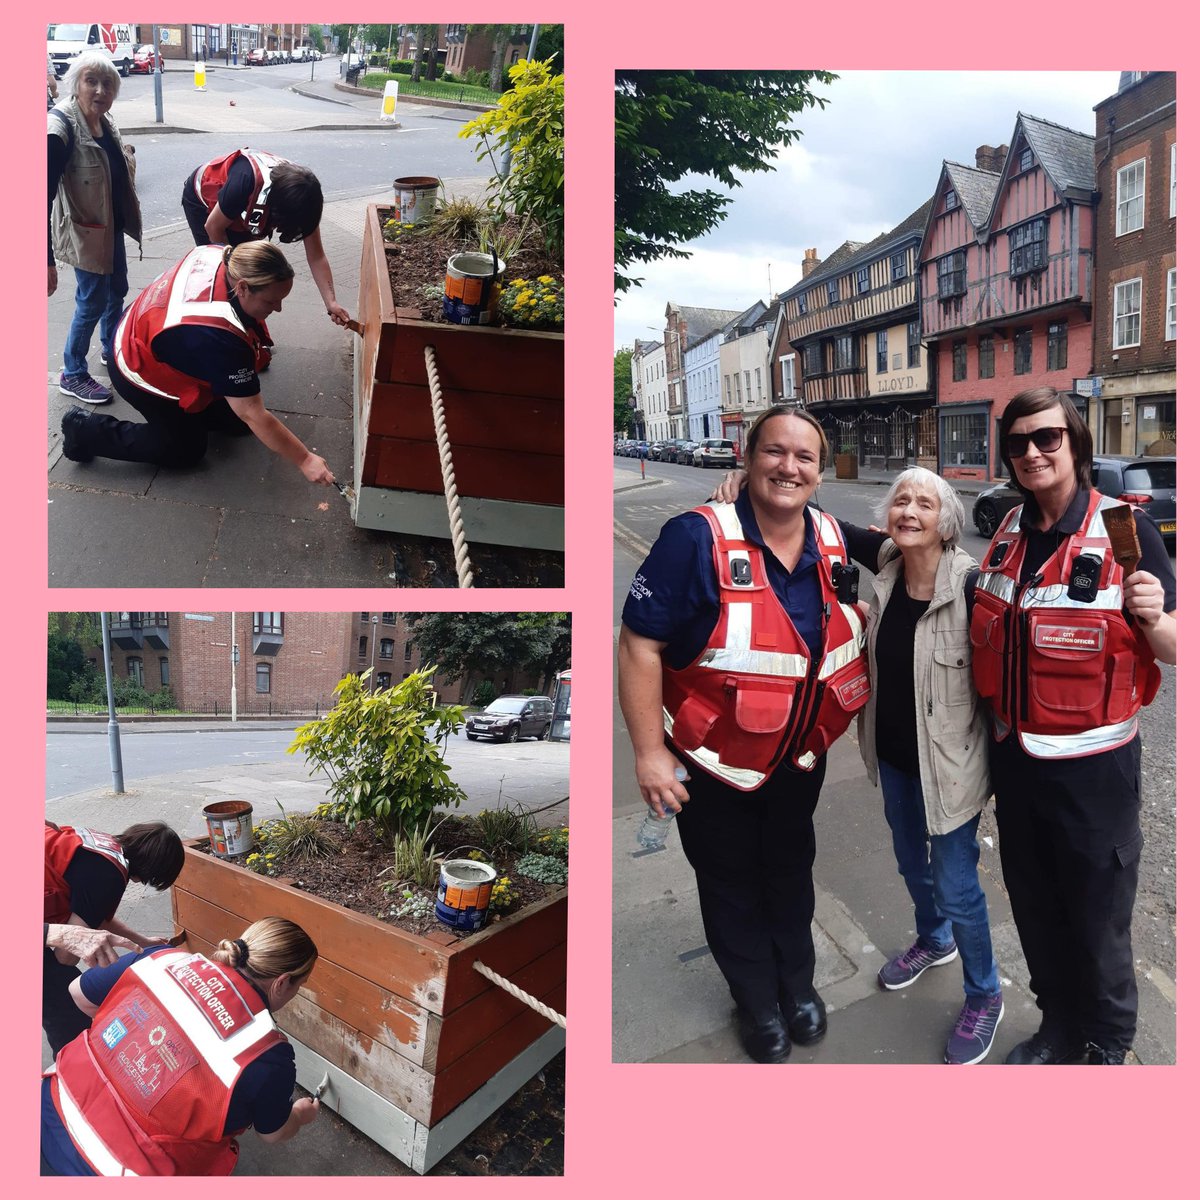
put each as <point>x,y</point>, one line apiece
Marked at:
<point>674,596</point>
<point>262,1096</point>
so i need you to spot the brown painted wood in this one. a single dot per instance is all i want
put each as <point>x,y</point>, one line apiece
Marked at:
<point>484,419</point>
<point>360,1011</point>
<point>468,1073</point>
<point>503,390</point>
<point>491,474</point>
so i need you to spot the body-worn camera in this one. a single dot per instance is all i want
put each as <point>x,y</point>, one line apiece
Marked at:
<point>998,553</point>
<point>1085,578</point>
<point>845,580</point>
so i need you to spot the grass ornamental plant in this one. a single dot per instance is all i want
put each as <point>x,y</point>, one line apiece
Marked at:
<point>379,750</point>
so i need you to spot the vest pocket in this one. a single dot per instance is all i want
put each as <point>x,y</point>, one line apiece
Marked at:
<point>692,723</point>
<point>987,652</point>
<point>1067,672</point>
<point>763,705</point>
<point>1121,670</point>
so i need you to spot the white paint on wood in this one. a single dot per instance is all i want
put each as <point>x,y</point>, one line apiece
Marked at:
<point>414,1144</point>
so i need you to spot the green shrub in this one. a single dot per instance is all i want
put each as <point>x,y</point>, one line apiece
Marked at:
<point>298,836</point>
<point>484,693</point>
<point>380,751</point>
<point>529,124</point>
<point>543,868</point>
<point>553,842</point>
<point>415,862</point>
<point>500,829</point>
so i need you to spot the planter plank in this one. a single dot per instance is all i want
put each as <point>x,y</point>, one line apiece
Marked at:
<point>503,392</point>
<point>404,1016</point>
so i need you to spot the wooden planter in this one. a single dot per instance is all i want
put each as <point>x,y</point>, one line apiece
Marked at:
<point>503,395</point>
<point>420,1048</point>
<point>846,466</point>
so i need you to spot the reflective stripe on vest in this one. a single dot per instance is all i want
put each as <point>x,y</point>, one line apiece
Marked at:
<point>740,777</point>
<point>1077,745</point>
<point>220,1054</point>
<point>88,1142</point>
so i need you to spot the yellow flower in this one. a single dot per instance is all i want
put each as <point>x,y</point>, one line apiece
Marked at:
<point>545,279</point>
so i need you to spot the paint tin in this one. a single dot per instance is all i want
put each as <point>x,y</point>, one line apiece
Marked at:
<point>464,892</point>
<point>416,196</point>
<point>472,288</point>
<point>230,827</point>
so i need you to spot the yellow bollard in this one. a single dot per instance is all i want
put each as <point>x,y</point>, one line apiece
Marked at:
<point>198,77</point>
<point>387,111</point>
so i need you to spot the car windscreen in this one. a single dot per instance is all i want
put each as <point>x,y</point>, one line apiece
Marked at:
<point>66,33</point>
<point>1149,477</point>
<point>506,704</point>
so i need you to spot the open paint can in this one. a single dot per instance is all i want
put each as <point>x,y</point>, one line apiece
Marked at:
<point>230,827</point>
<point>464,892</point>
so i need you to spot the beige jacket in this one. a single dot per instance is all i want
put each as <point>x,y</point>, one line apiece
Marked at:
<point>951,727</point>
<point>81,222</point>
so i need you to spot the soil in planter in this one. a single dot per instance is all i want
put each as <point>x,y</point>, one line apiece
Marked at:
<point>417,265</point>
<point>353,875</point>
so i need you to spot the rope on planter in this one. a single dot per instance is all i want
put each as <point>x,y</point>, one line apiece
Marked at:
<point>525,998</point>
<point>462,560</point>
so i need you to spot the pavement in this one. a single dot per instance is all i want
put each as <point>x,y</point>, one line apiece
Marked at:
<point>245,517</point>
<point>671,1004</point>
<point>525,1134</point>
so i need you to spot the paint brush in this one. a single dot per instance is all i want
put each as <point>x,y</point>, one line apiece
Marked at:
<point>1122,533</point>
<point>345,491</point>
<point>356,326</point>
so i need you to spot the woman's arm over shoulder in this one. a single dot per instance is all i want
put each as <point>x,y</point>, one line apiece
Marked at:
<point>863,545</point>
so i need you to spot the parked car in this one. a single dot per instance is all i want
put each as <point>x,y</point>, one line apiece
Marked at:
<point>259,57</point>
<point>715,452</point>
<point>278,57</point>
<point>670,450</point>
<point>656,449</point>
<point>687,451</point>
<point>145,60</point>
<point>1146,482</point>
<point>642,449</point>
<point>510,717</point>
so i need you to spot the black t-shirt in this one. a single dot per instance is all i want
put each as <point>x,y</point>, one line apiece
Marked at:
<point>96,887</point>
<point>219,358</point>
<point>895,681</point>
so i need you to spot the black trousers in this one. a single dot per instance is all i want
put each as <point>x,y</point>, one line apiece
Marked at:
<point>169,437</point>
<point>1070,843</point>
<point>753,856</point>
<point>61,1019</point>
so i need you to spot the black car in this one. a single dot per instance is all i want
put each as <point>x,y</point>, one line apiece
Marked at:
<point>1148,483</point>
<point>510,717</point>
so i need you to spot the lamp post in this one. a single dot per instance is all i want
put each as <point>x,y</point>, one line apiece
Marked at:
<point>374,631</point>
<point>233,661</point>
<point>114,732</point>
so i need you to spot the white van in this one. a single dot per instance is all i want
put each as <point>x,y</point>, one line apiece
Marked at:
<point>65,42</point>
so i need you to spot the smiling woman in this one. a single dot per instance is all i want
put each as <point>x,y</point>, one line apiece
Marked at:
<point>731,706</point>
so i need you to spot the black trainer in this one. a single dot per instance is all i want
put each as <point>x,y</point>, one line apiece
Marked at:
<point>74,426</point>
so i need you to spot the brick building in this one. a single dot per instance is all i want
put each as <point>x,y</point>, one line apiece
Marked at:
<point>284,662</point>
<point>1006,284</point>
<point>1133,381</point>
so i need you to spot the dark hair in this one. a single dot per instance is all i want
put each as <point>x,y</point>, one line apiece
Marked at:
<point>788,410</point>
<point>154,853</point>
<point>271,947</point>
<point>295,201</point>
<point>1036,400</point>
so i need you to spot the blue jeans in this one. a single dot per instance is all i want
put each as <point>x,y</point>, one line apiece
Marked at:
<point>942,876</point>
<point>98,300</point>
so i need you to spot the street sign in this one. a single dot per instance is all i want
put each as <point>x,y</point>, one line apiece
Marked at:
<point>1092,385</point>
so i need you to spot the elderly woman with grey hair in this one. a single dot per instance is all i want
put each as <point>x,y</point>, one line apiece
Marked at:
<point>92,206</point>
<point>923,738</point>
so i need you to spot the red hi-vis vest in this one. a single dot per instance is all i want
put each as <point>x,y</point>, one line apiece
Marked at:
<point>1069,676</point>
<point>211,177</point>
<point>146,1090</point>
<point>195,291</point>
<point>61,846</point>
<point>755,695</point>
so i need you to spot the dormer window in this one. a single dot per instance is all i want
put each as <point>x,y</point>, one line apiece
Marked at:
<point>831,291</point>
<point>1026,162</point>
<point>951,201</point>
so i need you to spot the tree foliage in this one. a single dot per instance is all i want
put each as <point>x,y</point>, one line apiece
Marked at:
<point>379,751</point>
<point>468,645</point>
<point>671,124</point>
<point>622,389</point>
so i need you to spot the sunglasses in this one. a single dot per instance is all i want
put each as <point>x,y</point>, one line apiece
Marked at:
<point>1046,440</point>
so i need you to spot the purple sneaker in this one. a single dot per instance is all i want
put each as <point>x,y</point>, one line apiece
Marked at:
<point>908,967</point>
<point>974,1030</point>
<point>84,387</point>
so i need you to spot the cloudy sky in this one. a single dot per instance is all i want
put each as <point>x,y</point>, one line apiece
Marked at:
<point>865,162</point>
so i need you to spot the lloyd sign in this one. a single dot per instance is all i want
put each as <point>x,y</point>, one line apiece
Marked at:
<point>896,383</point>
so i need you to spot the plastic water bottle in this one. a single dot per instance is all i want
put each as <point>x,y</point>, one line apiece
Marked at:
<point>652,833</point>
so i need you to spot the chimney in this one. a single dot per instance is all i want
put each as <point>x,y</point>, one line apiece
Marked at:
<point>811,263</point>
<point>991,158</point>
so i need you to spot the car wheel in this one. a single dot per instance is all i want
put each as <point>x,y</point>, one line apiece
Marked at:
<point>472,737</point>
<point>125,68</point>
<point>511,733</point>
<point>544,736</point>
<point>986,519</point>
